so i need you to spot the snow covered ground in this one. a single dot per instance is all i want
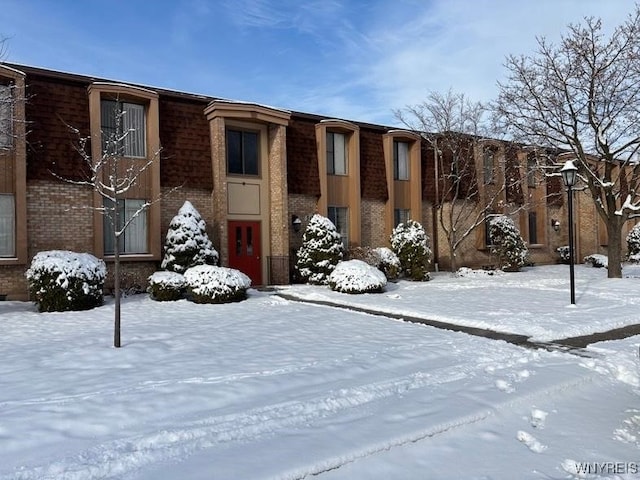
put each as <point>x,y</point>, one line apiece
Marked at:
<point>276,389</point>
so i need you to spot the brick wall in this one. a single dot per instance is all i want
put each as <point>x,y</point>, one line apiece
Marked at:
<point>373,223</point>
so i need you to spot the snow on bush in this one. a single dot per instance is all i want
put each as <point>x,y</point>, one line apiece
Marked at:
<point>60,280</point>
<point>563,251</point>
<point>633,244</point>
<point>382,258</point>
<point>356,276</point>
<point>410,243</point>
<point>166,286</point>
<point>507,243</point>
<point>389,262</point>
<point>468,272</point>
<point>320,252</point>
<point>187,243</point>
<point>596,260</point>
<point>211,284</point>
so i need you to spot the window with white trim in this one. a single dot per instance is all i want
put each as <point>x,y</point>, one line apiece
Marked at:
<point>123,128</point>
<point>6,116</point>
<point>134,238</point>
<point>400,160</point>
<point>339,216</point>
<point>337,144</point>
<point>7,225</point>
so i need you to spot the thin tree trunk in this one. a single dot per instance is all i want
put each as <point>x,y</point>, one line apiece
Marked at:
<point>614,248</point>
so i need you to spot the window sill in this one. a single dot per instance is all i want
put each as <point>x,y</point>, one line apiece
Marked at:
<point>12,261</point>
<point>133,257</point>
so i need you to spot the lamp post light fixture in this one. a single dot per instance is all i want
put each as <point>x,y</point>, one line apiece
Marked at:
<point>569,175</point>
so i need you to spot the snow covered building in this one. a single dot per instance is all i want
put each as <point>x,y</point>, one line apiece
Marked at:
<point>255,173</point>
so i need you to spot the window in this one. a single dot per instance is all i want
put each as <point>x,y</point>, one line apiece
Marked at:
<point>400,161</point>
<point>242,152</point>
<point>134,238</point>
<point>487,232</point>
<point>123,128</point>
<point>400,215</point>
<point>6,116</point>
<point>340,218</point>
<point>531,172</point>
<point>336,153</point>
<point>7,225</point>
<point>488,165</point>
<point>533,228</point>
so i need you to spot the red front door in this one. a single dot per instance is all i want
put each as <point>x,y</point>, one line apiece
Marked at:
<point>244,249</point>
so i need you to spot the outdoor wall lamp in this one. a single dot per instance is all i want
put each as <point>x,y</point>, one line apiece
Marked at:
<point>569,175</point>
<point>555,224</point>
<point>296,222</point>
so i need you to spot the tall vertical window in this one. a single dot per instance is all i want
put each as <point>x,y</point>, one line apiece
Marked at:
<point>7,225</point>
<point>533,228</point>
<point>242,152</point>
<point>531,171</point>
<point>400,160</point>
<point>6,116</point>
<point>400,215</point>
<point>123,128</point>
<point>134,238</point>
<point>336,153</point>
<point>488,165</point>
<point>340,218</point>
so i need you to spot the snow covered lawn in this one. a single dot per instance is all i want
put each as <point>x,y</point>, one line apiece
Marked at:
<point>534,302</point>
<point>269,388</point>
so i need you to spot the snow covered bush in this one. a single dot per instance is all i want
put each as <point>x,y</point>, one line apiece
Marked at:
<point>320,252</point>
<point>356,276</point>
<point>166,286</point>
<point>633,244</point>
<point>382,258</point>
<point>410,243</point>
<point>507,243</point>
<point>563,251</point>
<point>389,263</point>
<point>464,272</point>
<point>596,260</point>
<point>60,280</point>
<point>187,243</point>
<point>211,284</point>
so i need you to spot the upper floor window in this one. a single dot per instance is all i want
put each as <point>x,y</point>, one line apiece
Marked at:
<point>7,225</point>
<point>123,128</point>
<point>6,116</point>
<point>242,152</point>
<point>400,160</point>
<point>488,165</point>
<point>531,171</point>
<point>337,153</point>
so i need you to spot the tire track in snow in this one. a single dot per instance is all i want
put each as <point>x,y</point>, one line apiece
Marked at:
<point>119,457</point>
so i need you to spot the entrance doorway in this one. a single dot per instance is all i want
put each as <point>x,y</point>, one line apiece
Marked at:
<point>244,249</point>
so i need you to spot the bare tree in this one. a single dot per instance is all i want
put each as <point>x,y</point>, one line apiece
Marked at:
<point>111,176</point>
<point>462,202</point>
<point>582,96</point>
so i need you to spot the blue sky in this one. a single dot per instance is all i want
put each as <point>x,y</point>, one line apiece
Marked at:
<point>355,59</point>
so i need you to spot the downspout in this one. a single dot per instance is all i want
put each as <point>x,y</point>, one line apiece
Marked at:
<point>434,208</point>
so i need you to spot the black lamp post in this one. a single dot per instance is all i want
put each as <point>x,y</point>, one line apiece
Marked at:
<point>569,175</point>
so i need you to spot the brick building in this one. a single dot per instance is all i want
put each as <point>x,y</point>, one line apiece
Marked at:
<point>249,169</point>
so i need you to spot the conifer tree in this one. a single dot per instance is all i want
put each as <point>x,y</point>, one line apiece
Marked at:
<point>410,243</point>
<point>507,243</point>
<point>320,252</point>
<point>187,243</point>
